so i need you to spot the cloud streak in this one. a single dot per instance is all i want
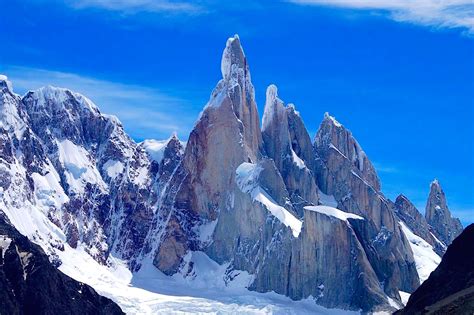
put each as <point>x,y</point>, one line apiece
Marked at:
<point>144,111</point>
<point>134,6</point>
<point>437,13</point>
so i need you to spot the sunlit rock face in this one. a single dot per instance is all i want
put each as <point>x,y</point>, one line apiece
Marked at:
<point>346,173</point>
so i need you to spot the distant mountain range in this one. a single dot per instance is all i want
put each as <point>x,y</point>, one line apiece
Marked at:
<point>305,218</point>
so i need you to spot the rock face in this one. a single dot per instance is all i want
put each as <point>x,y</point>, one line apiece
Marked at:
<point>450,288</point>
<point>285,139</point>
<point>347,174</point>
<point>416,222</point>
<point>30,284</point>
<point>301,217</point>
<point>445,227</point>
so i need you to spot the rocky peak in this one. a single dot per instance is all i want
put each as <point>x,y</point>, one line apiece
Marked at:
<point>237,85</point>
<point>57,113</point>
<point>5,83</point>
<point>53,99</point>
<point>233,61</point>
<point>12,119</point>
<point>416,222</point>
<point>299,137</point>
<point>275,128</point>
<point>284,138</point>
<point>332,135</point>
<point>444,226</point>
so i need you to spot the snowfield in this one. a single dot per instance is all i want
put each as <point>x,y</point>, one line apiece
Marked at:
<point>203,291</point>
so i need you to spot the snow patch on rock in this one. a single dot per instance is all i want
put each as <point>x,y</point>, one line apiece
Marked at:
<point>247,180</point>
<point>426,259</point>
<point>48,190</point>
<point>5,242</point>
<point>333,212</point>
<point>79,169</point>
<point>113,168</point>
<point>405,296</point>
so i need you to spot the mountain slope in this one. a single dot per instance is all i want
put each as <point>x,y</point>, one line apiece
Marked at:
<point>30,284</point>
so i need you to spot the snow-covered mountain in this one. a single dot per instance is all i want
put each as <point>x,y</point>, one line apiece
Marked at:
<point>237,207</point>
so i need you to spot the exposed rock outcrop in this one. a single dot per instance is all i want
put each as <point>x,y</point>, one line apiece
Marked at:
<point>347,174</point>
<point>285,139</point>
<point>444,226</point>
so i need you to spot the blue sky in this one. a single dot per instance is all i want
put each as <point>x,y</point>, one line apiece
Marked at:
<point>398,74</point>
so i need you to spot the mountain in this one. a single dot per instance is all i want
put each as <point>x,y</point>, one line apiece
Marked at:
<point>450,288</point>
<point>445,227</point>
<point>299,216</point>
<point>30,284</point>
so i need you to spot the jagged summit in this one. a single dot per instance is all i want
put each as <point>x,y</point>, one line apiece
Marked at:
<point>416,222</point>
<point>402,198</point>
<point>331,119</point>
<point>274,107</point>
<point>4,82</point>
<point>233,58</point>
<point>437,214</point>
<point>332,135</point>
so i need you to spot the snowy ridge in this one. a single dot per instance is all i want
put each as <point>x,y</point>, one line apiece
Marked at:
<point>332,119</point>
<point>45,94</point>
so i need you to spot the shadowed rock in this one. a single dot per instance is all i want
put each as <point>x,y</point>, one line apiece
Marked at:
<point>30,284</point>
<point>450,288</point>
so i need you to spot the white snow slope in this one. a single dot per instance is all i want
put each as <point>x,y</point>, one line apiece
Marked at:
<point>426,259</point>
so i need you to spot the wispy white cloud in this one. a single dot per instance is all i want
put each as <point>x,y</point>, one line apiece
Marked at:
<point>133,6</point>
<point>382,168</point>
<point>144,111</point>
<point>438,13</point>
